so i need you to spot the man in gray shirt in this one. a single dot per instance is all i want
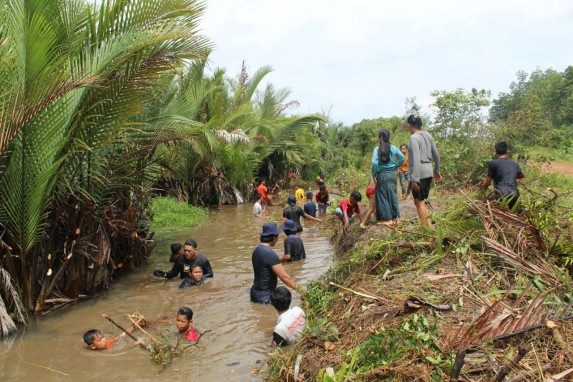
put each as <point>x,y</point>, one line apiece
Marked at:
<point>421,152</point>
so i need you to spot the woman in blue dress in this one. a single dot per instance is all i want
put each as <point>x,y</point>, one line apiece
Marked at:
<point>386,159</point>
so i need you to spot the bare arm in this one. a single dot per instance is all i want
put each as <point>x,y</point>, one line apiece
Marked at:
<point>281,274</point>
<point>486,183</point>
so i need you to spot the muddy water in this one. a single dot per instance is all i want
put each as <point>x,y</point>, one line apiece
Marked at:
<point>240,334</point>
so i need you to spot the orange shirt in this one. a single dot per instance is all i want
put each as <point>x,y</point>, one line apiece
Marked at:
<point>262,189</point>
<point>404,167</point>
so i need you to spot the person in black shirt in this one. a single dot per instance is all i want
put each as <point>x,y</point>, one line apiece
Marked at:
<point>504,172</point>
<point>294,213</point>
<point>184,263</point>
<point>294,247</point>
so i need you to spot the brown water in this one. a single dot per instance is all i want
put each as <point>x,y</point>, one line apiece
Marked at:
<point>240,330</point>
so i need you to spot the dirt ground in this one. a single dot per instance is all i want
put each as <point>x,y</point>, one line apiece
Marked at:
<point>560,168</point>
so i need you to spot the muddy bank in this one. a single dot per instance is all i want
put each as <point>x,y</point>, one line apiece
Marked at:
<point>401,304</point>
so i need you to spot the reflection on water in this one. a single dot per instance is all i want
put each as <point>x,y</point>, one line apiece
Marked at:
<point>240,330</point>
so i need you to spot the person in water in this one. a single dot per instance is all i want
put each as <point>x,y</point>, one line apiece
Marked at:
<point>310,207</point>
<point>176,252</point>
<point>184,323</point>
<point>195,277</point>
<point>291,321</point>
<point>294,212</point>
<point>184,263</point>
<point>294,247</point>
<point>267,266</point>
<point>96,340</point>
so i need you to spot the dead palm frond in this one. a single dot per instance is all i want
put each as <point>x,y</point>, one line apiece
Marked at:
<point>503,319</point>
<point>11,307</point>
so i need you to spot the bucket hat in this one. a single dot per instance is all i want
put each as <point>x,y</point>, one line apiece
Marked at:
<point>289,225</point>
<point>270,229</point>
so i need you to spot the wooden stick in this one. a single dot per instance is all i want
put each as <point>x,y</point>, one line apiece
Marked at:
<point>135,324</point>
<point>123,330</point>
<point>458,364</point>
<point>35,365</point>
<point>355,292</point>
<point>511,364</point>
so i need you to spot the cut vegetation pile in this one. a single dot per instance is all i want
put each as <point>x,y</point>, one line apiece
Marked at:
<point>483,296</point>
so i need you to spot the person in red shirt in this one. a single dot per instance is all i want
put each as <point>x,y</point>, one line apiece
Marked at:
<point>347,207</point>
<point>322,198</point>
<point>184,323</point>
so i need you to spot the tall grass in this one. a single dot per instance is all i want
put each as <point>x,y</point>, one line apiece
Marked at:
<point>169,214</point>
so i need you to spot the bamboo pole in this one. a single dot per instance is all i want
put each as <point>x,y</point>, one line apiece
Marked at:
<point>125,331</point>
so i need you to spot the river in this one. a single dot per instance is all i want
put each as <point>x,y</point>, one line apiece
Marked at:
<point>240,331</point>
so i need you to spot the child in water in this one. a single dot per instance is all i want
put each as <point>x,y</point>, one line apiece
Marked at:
<point>176,252</point>
<point>184,323</point>
<point>194,278</point>
<point>96,340</point>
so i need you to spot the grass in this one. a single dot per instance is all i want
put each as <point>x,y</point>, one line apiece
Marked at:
<point>169,214</point>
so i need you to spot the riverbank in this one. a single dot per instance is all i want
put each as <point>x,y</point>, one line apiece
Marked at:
<point>401,304</point>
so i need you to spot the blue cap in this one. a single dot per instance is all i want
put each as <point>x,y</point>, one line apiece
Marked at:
<point>289,225</point>
<point>291,200</point>
<point>270,229</point>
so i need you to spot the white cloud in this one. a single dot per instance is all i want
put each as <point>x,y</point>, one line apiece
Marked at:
<point>362,59</point>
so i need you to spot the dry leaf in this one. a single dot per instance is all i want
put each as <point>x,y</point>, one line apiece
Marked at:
<point>550,324</point>
<point>328,346</point>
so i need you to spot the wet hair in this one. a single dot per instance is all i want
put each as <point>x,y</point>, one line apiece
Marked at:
<point>404,145</point>
<point>415,121</point>
<point>175,248</point>
<point>195,266</point>
<point>267,238</point>
<point>185,311</point>
<point>384,147</point>
<point>191,242</point>
<point>258,196</point>
<point>322,187</point>
<point>90,335</point>
<point>356,195</point>
<point>309,195</point>
<point>281,298</point>
<point>501,148</point>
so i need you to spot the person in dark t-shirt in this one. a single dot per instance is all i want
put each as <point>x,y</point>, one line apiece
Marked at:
<point>504,172</point>
<point>267,266</point>
<point>294,248</point>
<point>184,263</point>
<point>294,213</point>
<point>310,206</point>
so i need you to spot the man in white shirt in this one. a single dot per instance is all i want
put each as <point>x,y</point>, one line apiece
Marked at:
<point>258,207</point>
<point>291,321</point>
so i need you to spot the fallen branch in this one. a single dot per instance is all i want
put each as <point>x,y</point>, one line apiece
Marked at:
<point>356,293</point>
<point>297,366</point>
<point>458,364</point>
<point>511,364</point>
<point>35,365</point>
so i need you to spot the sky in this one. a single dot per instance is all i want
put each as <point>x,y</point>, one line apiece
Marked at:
<point>355,60</point>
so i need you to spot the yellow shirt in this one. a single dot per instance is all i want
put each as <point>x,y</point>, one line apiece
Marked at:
<point>300,195</point>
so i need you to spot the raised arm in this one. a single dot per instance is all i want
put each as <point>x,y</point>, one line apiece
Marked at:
<point>281,274</point>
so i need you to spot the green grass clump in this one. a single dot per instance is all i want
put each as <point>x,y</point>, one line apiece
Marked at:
<point>169,214</point>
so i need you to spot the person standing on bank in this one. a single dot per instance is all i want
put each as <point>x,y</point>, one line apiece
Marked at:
<point>386,159</point>
<point>219,186</point>
<point>421,151</point>
<point>267,266</point>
